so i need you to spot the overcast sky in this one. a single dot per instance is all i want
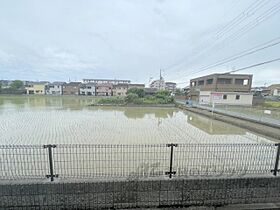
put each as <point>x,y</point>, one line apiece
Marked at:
<point>58,40</point>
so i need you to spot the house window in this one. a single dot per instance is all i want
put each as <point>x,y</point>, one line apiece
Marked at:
<point>193,84</point>
<point>201,82</point>
<point>224,81</point>
<point>225,97</point>
<point>242,82</point>
<point>209,81</point>
<point>237,97</point>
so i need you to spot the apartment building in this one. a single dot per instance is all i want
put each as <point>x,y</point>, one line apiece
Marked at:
<point>71,88</point>
<point>88,89</point>
<point>170,86</point>
<point>106,81</point>
<point>55,88</point>
<point>158,84</point>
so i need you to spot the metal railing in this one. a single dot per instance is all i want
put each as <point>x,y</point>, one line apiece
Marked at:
<point>136,161</point>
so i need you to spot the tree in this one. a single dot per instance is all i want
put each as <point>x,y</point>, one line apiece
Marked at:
<point>138,91</point>
<point>179,92</point>
<point>17,85</point>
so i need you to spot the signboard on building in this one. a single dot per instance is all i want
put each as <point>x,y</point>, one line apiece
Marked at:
<point>217,96</point>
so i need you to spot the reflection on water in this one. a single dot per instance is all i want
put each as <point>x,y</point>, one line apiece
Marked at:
<point>213,126</point>
<point>68,120</point>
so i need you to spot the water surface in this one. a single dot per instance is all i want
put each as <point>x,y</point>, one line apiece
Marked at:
<point>68,120</point>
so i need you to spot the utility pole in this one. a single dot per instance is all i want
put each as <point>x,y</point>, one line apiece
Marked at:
<point>159,79</point>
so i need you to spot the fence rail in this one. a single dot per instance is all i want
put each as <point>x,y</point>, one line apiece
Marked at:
<point>135,161</point>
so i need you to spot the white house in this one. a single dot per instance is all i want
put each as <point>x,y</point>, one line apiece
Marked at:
<point>229,98</point>
<point>88,89</point>
<point>54,88</point>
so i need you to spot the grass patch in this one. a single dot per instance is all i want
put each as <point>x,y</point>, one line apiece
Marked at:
<point>112,101</point>
<point>274,104</point>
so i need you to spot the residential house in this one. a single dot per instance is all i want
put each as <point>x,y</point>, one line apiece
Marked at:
<point>36,88</point>
<point>222,89</point>
<point>104,89</point>
<point>71,88</point>
<point>88,89</point>
<point>274,89</point>
<point>120,89</point>
<point>55,88</point>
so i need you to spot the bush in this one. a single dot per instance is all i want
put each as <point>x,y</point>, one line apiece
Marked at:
<point>163,94</point>
<point>131,97</point>
<point>111,100</point>
<point>139,101</point>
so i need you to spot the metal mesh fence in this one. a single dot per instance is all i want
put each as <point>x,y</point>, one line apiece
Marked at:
<point>23,162</point>
<point>137,161</point>
<point>89,161</point>
<point>224,159</point>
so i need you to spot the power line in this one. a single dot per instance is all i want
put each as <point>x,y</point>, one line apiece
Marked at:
<point>258,20</point>
<point>255,65</point>
<point>240,55</point>
<point>256,3</point>
<point>248,67</point>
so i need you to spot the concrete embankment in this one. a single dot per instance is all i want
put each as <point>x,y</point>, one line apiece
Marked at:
<point>246,124</point>
<point>140,193</point>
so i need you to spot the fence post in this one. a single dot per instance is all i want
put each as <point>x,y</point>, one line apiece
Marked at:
<point>171,172</point>
<point>51,175</point>
<point>277,160</point>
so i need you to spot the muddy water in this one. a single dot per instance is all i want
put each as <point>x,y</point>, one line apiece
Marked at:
<point>68,120</point>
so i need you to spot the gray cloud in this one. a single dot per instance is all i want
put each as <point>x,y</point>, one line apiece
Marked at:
<point>57,40</point>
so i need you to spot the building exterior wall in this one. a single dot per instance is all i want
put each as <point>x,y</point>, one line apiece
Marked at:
<point>229,98</point>
<point>136,86</point>
<point>88,89</point>
<point>276,92</point>
<point>274,89</point>
<point>54,89</point>
<point>36,89</point>
<point>158,84</point>
<point>222,83</point>
<point>71,89</point>
<point>170,86</point>
<point>104,89</point>
<point>120,90</point>
<point>106,81</point>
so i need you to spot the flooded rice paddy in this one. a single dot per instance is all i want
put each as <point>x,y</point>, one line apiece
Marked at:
<point>69,120</point>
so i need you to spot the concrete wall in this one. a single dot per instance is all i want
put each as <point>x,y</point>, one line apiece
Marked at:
<point>207,97</point>
<point>136,193</point>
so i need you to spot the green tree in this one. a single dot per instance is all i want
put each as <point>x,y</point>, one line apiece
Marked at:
<point>179,92</point>
<point>17,85</point>
<point>162,94</point>
<point>131,97</point>
<point>138,91</point>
